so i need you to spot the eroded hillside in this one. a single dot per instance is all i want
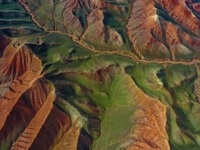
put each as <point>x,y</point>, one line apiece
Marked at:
<point>99,74</point>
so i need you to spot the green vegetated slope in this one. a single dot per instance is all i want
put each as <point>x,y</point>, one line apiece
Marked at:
<point>100,101</point>
<point>174,86</point>
<point>104,96</point>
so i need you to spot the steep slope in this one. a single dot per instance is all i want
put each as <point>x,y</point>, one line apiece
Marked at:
<point>162,26</point>
<point>82,20</point>
<point>26,101</point>
<point>17,75</point>
<point>120,114</point>
<point>99,74</point>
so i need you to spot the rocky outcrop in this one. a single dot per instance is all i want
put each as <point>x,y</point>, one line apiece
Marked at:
<point>159,29</point>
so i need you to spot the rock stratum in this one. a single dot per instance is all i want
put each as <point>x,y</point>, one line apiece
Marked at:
<point>99,74</point>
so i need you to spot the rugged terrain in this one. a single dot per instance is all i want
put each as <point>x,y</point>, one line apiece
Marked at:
<point>99,74</point>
